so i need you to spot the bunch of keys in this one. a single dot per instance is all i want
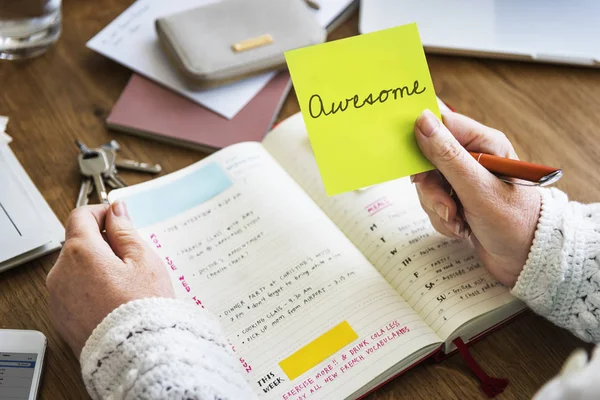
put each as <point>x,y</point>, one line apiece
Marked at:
<point>98,168</point>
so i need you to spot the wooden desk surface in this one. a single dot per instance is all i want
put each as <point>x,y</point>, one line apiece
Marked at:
<point>549,112</point>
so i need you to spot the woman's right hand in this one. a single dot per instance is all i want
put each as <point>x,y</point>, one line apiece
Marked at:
<point>499,218</point>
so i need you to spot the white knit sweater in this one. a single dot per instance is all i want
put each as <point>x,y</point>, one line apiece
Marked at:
<point>161,349</point>
<point>164,349</point>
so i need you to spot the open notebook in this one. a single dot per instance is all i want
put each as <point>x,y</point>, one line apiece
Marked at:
<point>321,296</point>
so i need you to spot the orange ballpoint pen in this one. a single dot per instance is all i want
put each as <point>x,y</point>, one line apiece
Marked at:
<point>538,175</point>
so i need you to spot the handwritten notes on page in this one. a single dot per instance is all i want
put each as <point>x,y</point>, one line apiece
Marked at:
<point>440,278</point>
<point>131,41</point>
<point>306,313</point>
<point>360,98</point>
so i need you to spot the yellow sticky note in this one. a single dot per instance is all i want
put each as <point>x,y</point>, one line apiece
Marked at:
<point>360,98</point>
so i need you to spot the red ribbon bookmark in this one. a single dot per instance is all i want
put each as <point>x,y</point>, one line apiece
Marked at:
<point>491,386</point>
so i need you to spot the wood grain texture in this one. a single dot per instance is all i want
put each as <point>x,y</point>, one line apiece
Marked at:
<point>548,112</point>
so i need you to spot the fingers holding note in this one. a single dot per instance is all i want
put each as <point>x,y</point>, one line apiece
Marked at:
<point>440,206</point>
<point>499,218</point>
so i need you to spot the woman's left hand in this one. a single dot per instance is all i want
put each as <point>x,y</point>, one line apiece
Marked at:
<point>94,275</point>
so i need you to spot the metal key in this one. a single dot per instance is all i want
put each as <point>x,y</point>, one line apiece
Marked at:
<point>94,165</point>
<point>112,176</point>
<point>86,187</point>
<point>131,165</point>
<point>83,149</point>
<point>138,166</point>
<point>84,192</point>
<point>113,144</point>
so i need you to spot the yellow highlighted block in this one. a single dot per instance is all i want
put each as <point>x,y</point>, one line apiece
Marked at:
<point>318,350</point>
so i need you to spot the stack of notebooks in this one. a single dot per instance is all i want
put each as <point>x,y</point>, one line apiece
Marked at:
<point>28,227</point>
<point>158,105</point>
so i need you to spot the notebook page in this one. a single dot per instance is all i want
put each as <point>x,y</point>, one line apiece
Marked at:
<point>439,277</point>
<point>241,239</point>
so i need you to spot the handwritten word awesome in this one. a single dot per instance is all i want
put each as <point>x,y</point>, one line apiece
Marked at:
<point>317,108</point>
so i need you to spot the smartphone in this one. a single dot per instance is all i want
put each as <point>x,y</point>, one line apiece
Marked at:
<point>21,361</point>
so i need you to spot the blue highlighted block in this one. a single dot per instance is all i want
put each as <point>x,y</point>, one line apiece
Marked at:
<point>162,202</point>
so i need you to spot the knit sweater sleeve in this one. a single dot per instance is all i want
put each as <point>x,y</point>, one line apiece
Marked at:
<point>561,279</point>
<point>161,349</point>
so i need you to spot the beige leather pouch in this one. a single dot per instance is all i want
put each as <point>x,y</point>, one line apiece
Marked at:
<point>233,39</point>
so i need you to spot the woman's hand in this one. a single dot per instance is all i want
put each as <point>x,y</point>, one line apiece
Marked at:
<point>94,275</point>
<point>499,218</point>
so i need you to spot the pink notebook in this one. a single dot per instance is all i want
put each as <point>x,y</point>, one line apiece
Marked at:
<point>149,110</point>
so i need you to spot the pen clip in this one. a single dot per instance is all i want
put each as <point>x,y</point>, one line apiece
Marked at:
<point>551,178</point>
<point>547,180</point>
<point>512,181</point>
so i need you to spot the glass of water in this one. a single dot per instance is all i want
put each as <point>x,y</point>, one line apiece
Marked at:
<point>28,27</point>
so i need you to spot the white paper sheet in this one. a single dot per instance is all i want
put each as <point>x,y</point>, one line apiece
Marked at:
<point>131,40</point>
<point>4,138</point>
<point>28,227</point>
